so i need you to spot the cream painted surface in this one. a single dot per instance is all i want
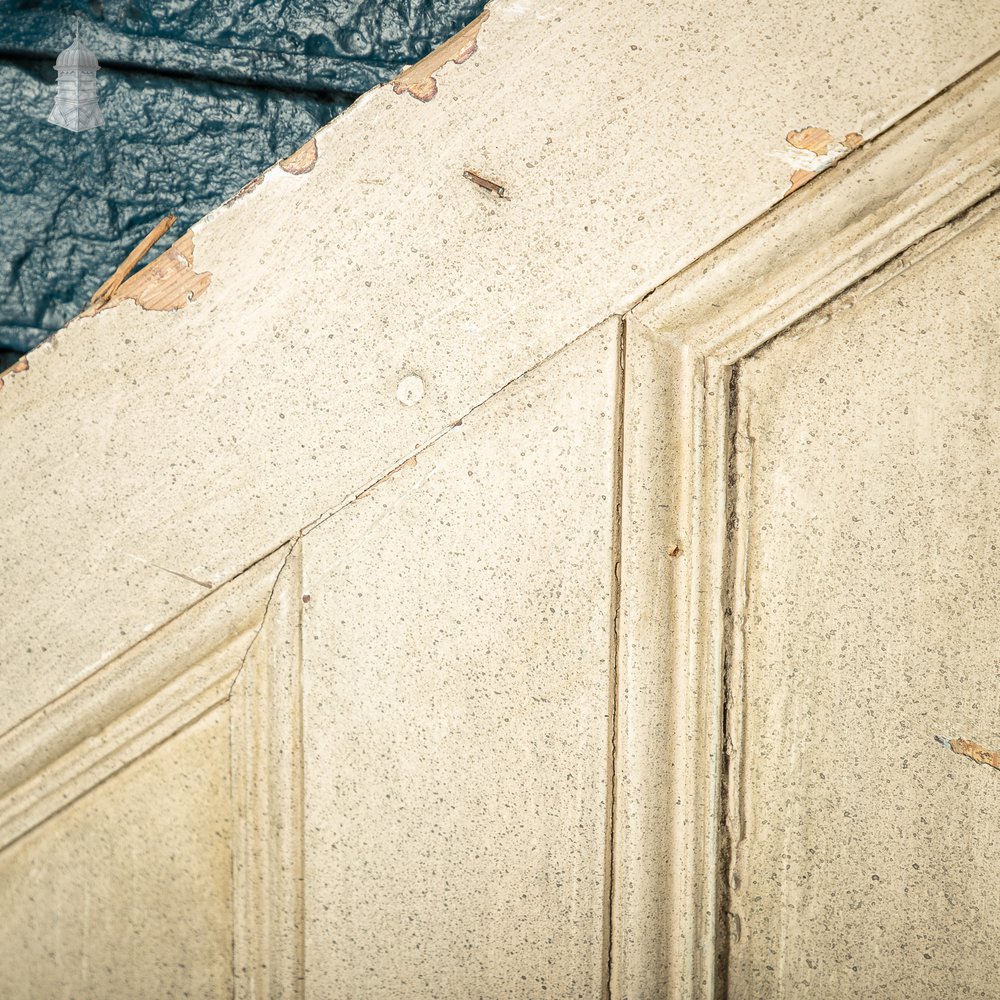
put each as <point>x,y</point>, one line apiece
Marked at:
<point>458,659</point>
<point>149,456</point>
<point>893,203</point>
<point>870,488</point>
<point>126,893</point>
<point>371,487</point>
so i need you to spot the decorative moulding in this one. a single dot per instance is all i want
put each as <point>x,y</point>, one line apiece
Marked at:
<point>241,645</point>
<point>852,229</point>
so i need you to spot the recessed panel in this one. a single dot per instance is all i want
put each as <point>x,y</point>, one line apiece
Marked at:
<point>458,638</point>
<point>869,493</point>
<point>125,894</point>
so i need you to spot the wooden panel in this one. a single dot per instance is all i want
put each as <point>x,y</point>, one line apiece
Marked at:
<point>106,752</point>
<point>867,453</point>
<point>894,203</point>
<point>150,455</point>
<point>126,893</point>
<point>458,655</point>
<point>133,704</point>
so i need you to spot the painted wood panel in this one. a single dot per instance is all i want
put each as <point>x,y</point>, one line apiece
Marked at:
<point>127,892</point>
<point>516,779</point>
<point>115,751</point>
<point>458,682</point>
<point>151,452</point>
<point>867,443</point>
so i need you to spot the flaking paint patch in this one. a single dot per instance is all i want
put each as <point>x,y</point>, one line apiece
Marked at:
<point>302,160</point>
<point>418,79</point>
<point>972,750</point>
<point>816,140</point>
<point>108,289</point>
<point>812,149</point>
<point>170,282</point>
<point>21,365</point>
<point>246,189</point>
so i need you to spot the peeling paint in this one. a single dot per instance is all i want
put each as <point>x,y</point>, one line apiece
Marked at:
<point>108,289</point>
<point>418,79</point>
<point>21,365</point>
<point>798,178</point>
<point>167,283</point>
<point>246,189</point>
<point>302,160</point>
<point>816,140</point>
<point>812,149</point>
<point>972,750</point>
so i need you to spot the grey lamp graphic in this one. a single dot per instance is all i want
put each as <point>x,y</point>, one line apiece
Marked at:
<point>76,99</point>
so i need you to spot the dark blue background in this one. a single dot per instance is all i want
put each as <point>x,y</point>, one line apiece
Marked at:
<point>198,97</point>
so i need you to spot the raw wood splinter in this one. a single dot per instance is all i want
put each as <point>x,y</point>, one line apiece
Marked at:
<point>104,293</point>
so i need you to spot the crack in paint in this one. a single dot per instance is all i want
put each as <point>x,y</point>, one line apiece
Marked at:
<point>166,569</point>
<point>291,543</point>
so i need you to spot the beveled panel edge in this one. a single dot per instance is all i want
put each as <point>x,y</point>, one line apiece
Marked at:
<point>671,640</point>
<point>843,225</point>
<point>854,227</point>
<point>132,704</point>
<point>268,799</point>
<point>653,861</point>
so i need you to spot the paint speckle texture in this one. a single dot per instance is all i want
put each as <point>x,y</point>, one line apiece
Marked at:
<point>869,866</point>
<point>457,693</point>
<point>213,432</point>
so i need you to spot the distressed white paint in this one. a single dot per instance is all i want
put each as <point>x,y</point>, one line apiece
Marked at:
<point>458,659</point>
<point>152,456</point>
<point>630,139</point>
<point>862,863</point>
<point>127,893</point>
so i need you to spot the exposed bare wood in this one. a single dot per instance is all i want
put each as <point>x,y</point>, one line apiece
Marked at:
<point>824,148</point>
<point>169,282</point>
<point>302,160</point>
<point>125,268</point>
<point>419,80</point>
<point>816,140</point>
<point>974,751</point>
